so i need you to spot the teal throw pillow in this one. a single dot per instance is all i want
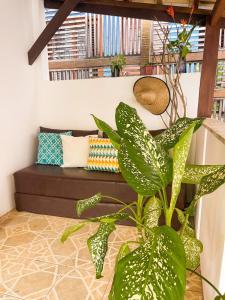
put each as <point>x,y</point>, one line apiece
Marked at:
<point>50,151</point>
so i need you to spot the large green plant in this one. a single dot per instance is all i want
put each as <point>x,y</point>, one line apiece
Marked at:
<point>156,268</point>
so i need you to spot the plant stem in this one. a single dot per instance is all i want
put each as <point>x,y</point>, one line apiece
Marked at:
<point>129,206</point>
<point>184,225</point>
<point>139,216</point>
<point>167,214</point>
<point>121,202</point>
<point>206,280</point>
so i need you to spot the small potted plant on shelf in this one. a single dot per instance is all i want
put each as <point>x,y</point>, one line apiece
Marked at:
<point>117,65</point>
<point>153,266</point>
<point>147,69</point>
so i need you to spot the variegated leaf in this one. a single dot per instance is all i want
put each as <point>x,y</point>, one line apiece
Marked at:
<point>71,230</point>
<point>194,173</point>
<point>152,213</point>
<point>111,218</point>
<point>208,184</point>
<point>98,246</point>
<point>123,251</point>
<point>180,215</point>
<point>111,133</point>
<point>180,155</point>
<point>170,136</point>
<point>193,248</point>
<point>139,155</point>
<point>155,270</point>
<point>141,183</point>
<point>222,297</point>
<point>85,204</point>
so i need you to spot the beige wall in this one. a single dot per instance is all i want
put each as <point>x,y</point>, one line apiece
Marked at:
<point>18,106</point>
<point>28,100</point>
<point>210,220</point>
<point>69,104</point>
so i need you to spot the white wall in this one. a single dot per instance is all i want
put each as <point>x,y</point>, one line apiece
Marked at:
<point>210,220</point>
<point>28,100</point>
<point>18,106</point>
<point>68,104</point>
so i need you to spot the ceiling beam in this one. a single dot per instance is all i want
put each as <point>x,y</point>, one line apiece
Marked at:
<point>65,8</point>
<point>134,10</point>
<point>196,4</point>
<point>217,12</point>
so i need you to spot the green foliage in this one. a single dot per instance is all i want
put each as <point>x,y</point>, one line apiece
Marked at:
<point>110,218</point>
<point>85,204</point>
<point>193,248</point>
<point>156,269</point>
<point>208,184</point>
<point>98,246</point>
<point>180,154</point>
<point>142,273</point>
<point>193,173</point>
<point>123,251</point>
<point>142,161</point>
<point>220,297</point>
<point>169,137</point>
<point>112,134</point>
<point>71,230</point>
<point>119,62</point>
<point>152,213</point>
<point>181,45</point>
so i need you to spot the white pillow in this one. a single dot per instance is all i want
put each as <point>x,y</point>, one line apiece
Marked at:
<point>75,151</point>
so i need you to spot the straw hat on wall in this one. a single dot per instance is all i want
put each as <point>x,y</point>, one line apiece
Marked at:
<point>152,93</point>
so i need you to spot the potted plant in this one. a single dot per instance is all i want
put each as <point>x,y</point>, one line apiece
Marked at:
<point>117,65</point>
<point>147,69</point>
<point>156,267</point>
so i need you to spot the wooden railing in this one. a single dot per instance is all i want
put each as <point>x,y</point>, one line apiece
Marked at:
<point>86,73</point>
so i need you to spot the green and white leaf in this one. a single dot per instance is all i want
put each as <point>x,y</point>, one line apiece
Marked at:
<point>123,251</point>
<point>152,213</point>
<point>180,216</point>
<point>111,133</point>
<point>208,184</point>
<point>71,230</point>
<point>155,270</point>
<point>141,159</point>
<point>98,246</point>
<point>193,248</point>
<point>222,297</point>
<point>111,218</point>
<point>169,137</point>
<point>180,155</point>
<point>85,204</point>
<point>194,173</point>
<point>141,183</point>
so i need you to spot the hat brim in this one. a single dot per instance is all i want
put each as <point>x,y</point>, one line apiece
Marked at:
<point>150,84</point>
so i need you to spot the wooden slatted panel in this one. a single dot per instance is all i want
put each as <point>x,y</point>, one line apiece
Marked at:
<point>86,35</point>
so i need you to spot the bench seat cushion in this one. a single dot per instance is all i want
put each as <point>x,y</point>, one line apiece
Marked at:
<point>71,183</point>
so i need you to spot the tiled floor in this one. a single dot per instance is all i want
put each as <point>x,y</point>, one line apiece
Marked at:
<point>34,265</point>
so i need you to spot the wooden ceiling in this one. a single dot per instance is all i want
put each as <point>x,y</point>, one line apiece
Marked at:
<point>206,11</point>
<point>144,9</point>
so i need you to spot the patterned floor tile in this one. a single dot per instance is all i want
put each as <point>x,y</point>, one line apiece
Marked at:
<point>27,279</point>
<point>189,295</point>
<point>8,297</point>
<point>35,265</point>
<point>78,284</point>
<point>194,283</point>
